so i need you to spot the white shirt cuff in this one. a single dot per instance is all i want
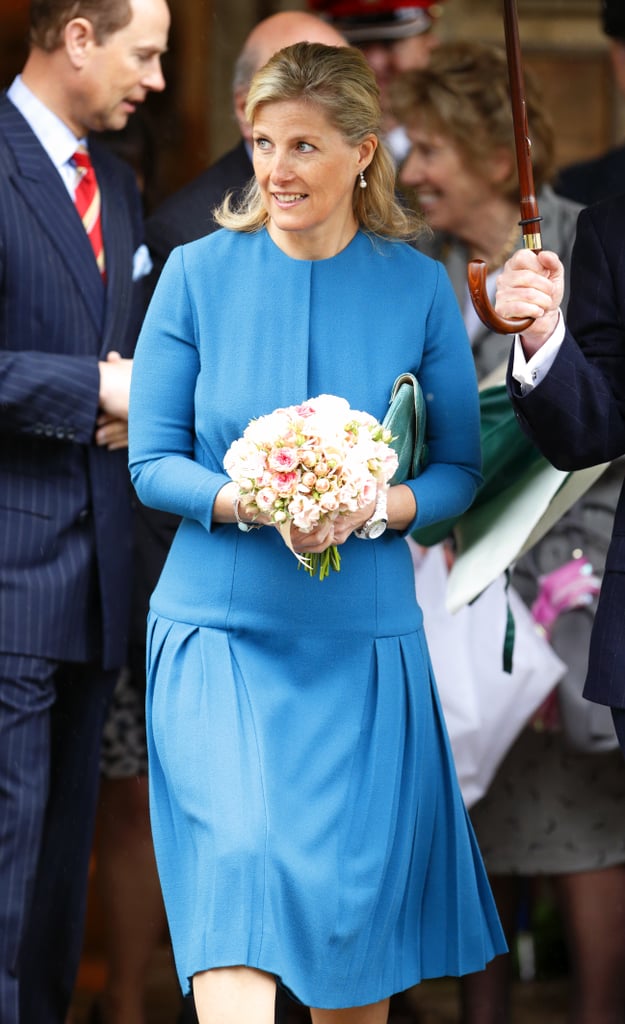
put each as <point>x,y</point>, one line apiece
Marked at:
<point>530,372</point>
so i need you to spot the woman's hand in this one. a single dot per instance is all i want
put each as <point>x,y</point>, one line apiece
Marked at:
<point>401,512</point>
<point>532,285</point>
<point>331,531</point>
<point>313,542</point>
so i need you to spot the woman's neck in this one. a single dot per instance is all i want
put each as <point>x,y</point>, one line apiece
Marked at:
<point>321,243</point>
<point>495,235</point>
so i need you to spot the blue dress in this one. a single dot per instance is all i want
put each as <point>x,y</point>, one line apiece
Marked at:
<point>306,814</point>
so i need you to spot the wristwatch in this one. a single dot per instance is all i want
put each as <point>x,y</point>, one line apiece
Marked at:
<point>375,526</point>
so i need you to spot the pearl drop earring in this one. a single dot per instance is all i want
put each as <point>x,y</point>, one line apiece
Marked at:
<point>362,183</point>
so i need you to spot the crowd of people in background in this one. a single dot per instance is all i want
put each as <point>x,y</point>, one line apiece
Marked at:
<point>549,811</point>
<point>82,553</point>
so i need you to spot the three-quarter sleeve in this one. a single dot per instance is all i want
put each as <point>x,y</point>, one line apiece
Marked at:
<point>168,466</point>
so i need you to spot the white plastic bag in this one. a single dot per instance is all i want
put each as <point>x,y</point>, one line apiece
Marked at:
<point>485,708</point>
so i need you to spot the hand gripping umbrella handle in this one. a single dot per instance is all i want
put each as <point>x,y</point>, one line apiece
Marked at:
<point>477,270</point>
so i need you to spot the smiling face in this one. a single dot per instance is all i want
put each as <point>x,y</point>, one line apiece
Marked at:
<point>118,74</point>
<point>449,192</point>
<point>307,172</point>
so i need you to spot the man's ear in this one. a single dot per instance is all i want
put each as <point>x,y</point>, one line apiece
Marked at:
<point>240,99</point>
<point>79,39</point>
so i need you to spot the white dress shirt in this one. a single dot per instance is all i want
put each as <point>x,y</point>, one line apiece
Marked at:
<point>60,144</point>
<point>530,372</point>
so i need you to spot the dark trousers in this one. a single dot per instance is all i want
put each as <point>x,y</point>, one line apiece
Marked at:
<point>51,719</point>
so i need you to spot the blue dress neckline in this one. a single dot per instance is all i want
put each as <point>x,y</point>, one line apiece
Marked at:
<point>328,259</point>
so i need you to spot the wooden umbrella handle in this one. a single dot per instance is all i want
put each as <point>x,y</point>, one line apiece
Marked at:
<point>477,272</point>
<point>530,217</point>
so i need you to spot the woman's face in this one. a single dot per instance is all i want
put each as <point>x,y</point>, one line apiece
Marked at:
<point>306,172</point>
<point>448,190</point>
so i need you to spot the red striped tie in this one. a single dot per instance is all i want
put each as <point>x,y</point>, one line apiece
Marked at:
<point>87,199</point>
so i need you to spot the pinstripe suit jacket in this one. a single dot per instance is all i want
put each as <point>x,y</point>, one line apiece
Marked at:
<point>576,415</point>
<point>64,502</point>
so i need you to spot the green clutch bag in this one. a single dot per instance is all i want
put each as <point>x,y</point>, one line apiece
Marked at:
<point>405,419</point>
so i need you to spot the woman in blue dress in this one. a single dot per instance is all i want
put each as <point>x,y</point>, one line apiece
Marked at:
<point>308,825</point>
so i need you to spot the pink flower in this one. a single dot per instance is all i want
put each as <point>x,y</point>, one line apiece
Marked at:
<point>283,459</point>
<point>265,499</point>
<point>309,481</point>
<point>330,504</point>
<point>309,462</point>
<point>305,410</point>
<point>305,512</point>
<point>286,483</point>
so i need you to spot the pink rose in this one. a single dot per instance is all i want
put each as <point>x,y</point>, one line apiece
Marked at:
<point>285,483</point>
<point>329,504</point>
<point>309,481</point>
<point>305,410</point>
<point>309,459</point>
<point>284,459</point>
<point>322,484</point>
<point>306,513</point>
<point>265,499</point>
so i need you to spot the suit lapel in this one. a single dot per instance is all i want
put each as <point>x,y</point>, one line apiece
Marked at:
<point>42,190</point>
<point>118,250</point>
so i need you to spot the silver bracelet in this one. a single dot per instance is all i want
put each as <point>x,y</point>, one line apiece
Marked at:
<point>243,526</point>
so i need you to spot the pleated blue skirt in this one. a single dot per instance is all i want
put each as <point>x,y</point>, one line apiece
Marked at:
<point>306,814</point>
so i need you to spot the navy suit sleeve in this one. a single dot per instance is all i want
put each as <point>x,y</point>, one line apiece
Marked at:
<point>576,415</point>
<point>49,395</point>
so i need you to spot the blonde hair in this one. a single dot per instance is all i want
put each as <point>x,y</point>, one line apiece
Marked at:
<point>339,82</point>
<point>464,95</point>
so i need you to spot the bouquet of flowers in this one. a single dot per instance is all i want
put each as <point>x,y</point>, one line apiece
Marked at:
<point>307,462</point>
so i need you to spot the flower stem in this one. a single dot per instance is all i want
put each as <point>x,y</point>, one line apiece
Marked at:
<point>323,564</point>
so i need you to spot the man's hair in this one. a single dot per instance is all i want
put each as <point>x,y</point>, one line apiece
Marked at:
<point>48,19</point>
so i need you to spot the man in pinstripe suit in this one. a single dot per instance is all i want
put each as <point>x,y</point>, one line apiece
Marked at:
<point>66,337</point>
<point>567,383</point>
